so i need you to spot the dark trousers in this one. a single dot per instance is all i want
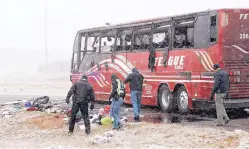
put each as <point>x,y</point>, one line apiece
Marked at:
<point>83,107</point>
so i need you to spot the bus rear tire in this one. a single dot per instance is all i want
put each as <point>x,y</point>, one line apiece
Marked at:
<point>166,100</point>
<point>182,100</point>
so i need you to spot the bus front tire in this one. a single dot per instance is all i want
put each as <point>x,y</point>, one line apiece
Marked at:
<point>166,100</point>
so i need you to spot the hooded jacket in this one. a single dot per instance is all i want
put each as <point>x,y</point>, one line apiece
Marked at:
<point>135,79</point>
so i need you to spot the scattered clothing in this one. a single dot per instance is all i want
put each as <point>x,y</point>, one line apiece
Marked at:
<point>32,109</point>
<point>106,121</point>
<point>42,103</point>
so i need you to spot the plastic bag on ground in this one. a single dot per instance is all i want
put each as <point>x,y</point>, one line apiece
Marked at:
<point>106,120</point>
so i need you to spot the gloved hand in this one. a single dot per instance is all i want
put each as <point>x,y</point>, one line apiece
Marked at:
<point>110,102</point>
<point>91,106</point>
<point>67,101</point>
<point>211,97</point>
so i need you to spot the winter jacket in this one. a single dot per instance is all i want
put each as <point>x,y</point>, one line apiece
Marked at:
<point>82,91</point>
<point>135,79</point>
<point>221,82</point>
<point>116,85</point>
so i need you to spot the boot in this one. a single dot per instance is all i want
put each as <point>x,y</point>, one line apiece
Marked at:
<point>227,121</point>
<point>87,131</point>
<point>136,119</point>
<point>70,133</point>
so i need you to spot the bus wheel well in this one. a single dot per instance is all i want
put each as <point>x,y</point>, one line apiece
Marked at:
<point>176,89</point>
<point>158,89</point>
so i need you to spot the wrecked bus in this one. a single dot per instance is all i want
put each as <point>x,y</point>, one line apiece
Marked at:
<point>175,55</point>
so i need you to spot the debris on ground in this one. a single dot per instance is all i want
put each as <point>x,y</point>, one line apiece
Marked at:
<point>106,120</point>
<point>42,103</point>
<point>106,138</point>
<point>48,127</point>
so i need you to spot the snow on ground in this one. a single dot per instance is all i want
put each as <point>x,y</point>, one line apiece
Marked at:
<point>37,129</point>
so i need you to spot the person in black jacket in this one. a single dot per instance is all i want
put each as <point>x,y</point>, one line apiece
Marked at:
<point>117,96</point>
<point>83,93</point>
<point>136,84</point>
<point>220,90</point>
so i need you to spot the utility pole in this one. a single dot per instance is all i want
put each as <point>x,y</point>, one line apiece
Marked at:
<point>46,44</point>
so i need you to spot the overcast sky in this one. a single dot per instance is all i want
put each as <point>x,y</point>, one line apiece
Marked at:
<point>22,24</point>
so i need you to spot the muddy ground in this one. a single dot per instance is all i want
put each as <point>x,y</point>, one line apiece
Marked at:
<point>157,130</point>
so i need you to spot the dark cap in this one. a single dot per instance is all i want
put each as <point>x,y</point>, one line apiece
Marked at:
<point>216,66</point>
<point>113,77</point>
<point>84,77</point>
<point>134,70</point>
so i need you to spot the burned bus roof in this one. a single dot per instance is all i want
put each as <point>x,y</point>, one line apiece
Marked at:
<point>147,21</point>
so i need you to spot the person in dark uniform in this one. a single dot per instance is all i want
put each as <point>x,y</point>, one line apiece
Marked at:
<point>220,90</point>
<point>83,93</point>
<point>136,86</point>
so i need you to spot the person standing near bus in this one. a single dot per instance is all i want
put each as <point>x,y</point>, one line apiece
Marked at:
<point>136,84</point>
<point>83,93</point>
<point>220,90</point>
<point>116,100</point>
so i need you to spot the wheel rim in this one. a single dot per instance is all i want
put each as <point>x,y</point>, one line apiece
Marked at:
<point>165,99</point>
<point>184,100</point>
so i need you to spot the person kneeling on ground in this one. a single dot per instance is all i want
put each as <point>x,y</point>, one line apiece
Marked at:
<point>116,101</point>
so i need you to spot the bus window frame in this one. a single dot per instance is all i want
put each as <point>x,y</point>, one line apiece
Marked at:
<point>176,24</point>
<point>211,14</point>
<point>104,34</point>
<point>170,34</point>
<point>134,32</point>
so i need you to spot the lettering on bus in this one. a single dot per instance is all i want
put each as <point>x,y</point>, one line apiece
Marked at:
<point>148,89</point>
<point>176,61</point>
<point>244,36</point>
<point>244,16</point>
